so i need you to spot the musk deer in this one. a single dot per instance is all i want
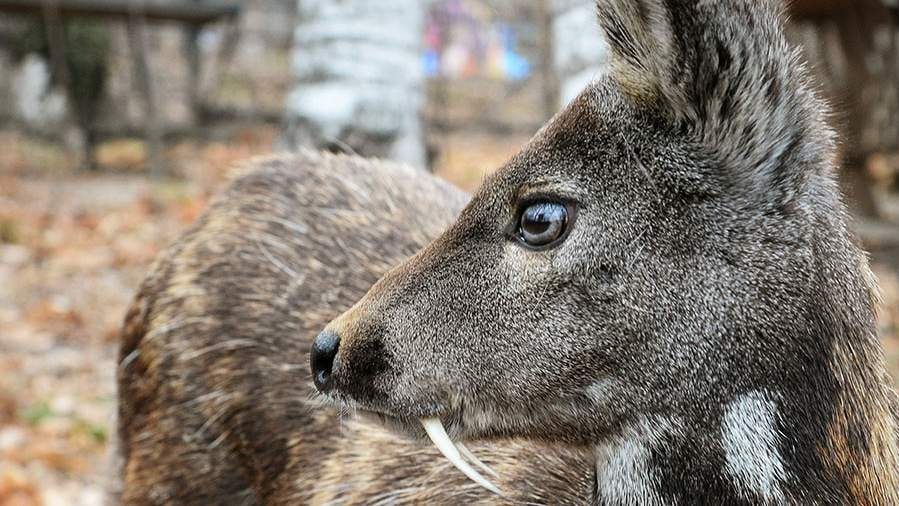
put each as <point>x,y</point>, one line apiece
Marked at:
<point>656,301</point>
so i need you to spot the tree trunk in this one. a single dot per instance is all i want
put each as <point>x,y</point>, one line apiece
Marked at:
<point>545,67</point>
<point>579,52</point>
<point>358,85</point>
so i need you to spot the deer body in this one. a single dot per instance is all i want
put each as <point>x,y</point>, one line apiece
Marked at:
<point>656,302</point>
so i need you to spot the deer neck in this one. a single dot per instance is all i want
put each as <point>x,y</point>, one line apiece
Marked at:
<point>762,447</point>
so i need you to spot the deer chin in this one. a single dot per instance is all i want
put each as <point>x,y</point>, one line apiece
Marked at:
<point>409,418</point>
<point>454,451</point>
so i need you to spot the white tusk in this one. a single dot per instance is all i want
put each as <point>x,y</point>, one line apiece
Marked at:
<point>445,445</point>
<point>470,456</point>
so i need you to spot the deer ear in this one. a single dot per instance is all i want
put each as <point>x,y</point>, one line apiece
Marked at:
<point>642,45</point>
<point>722,70</point>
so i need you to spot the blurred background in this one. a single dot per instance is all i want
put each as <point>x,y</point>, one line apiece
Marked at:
<point>119,119</point>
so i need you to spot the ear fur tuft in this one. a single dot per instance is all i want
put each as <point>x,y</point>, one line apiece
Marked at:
<point>639,36</point>
<point>723,71</point>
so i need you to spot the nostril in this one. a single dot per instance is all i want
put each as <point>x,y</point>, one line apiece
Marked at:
<point>324,349</point>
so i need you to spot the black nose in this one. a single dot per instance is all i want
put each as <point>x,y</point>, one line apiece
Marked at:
<point>324,349</point>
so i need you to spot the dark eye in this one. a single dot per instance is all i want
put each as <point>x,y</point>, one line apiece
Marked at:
<point>543,223</point>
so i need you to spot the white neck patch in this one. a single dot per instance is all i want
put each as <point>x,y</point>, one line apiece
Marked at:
<point>623,473</point>
<point>749,438</point>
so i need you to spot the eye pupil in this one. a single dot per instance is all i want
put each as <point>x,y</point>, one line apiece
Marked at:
<point>542,223</point>
<point>536,224</point>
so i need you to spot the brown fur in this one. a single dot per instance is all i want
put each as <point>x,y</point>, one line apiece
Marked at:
<point>862,438</point>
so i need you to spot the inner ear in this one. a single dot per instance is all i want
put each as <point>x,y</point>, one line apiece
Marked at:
<point>641,43</point>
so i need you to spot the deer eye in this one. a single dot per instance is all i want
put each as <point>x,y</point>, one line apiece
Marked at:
<point>543,224</point>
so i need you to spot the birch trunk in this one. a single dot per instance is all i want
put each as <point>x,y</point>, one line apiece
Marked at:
<point>357,79</point>
<point>579,50</point>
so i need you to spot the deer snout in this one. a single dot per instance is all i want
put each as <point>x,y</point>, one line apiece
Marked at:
<point>321,359</point>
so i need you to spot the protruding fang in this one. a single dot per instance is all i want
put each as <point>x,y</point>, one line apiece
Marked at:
<point>435,430</point>
<point>471,456</point>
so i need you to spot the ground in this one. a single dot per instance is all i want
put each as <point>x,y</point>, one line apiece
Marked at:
<point>73,248</point>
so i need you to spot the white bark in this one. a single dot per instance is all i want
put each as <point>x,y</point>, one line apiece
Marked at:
<point>357,77</point>
<point>36,103</point>
<point>580,53</point>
